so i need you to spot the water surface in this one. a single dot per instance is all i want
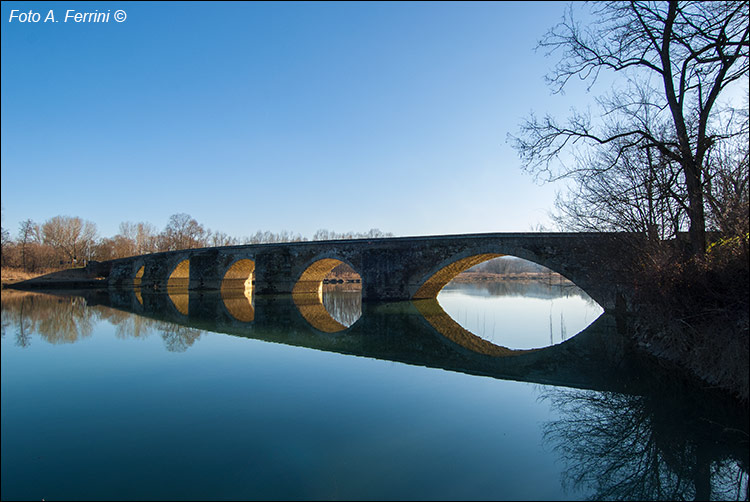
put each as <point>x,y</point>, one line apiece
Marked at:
<point>101,403</point>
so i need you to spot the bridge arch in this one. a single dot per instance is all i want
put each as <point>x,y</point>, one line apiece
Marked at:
<point>179,277</point>
<point>310,280</point>
<point>440,274</point>
<point>239,275</point>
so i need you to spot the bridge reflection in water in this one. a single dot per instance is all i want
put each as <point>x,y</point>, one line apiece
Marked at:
<point>415,332</point>
<point>638,435</point>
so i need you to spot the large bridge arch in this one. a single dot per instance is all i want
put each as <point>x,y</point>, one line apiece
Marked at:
<point>309,275</point>
<point>238,274</point>
<point>438,275</point>
<point>442,274</point>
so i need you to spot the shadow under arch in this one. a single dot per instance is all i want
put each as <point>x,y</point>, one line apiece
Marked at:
<point>444,324</point>
<point>177,286</point>
<point>307,295</point>
<point>237,290</point>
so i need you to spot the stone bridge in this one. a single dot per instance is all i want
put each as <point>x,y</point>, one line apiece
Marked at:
<point>391,269</point>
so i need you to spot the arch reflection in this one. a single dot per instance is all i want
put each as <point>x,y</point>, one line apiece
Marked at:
<point>450,329</point>
<point>335,306</point>
<point>239,303</point>
<point>177,286</point>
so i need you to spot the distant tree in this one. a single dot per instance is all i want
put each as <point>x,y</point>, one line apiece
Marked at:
<point>676,58</point>
<point>5,239</point>
<point>72,236</point>
<point>145,238</point>
<point>321,235</point>
<point>182,232</point>
<point>221,239</point>
<point>326,235</point>
<point>5,243</point>
<point>29,234</point>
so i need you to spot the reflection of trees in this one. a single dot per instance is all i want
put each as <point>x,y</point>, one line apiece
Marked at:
<point>23,335</point>
<point>56,319</point>
<point>68,319</point>
<point>178,338</point>
<point>531,289</point>
<point>126,324</point>
<point>343,305</point>
<point>646,448</point>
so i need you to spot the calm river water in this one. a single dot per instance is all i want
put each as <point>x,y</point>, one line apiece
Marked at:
<point>145,397</point>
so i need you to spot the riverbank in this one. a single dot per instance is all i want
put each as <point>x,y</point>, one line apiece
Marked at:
<point>13,275</point>
<point>72,278</point>
<point>694,314</point>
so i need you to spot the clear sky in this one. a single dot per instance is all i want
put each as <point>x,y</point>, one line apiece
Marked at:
<point>276,116</point>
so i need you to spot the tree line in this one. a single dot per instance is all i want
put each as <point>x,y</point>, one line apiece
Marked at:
<point>70,240</point>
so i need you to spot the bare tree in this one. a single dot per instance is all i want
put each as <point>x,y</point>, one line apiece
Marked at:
<point>5,240</point>
<point>29,233</point>
<point>72,236</point>
<point>637,192</point>
<point>221,239</point>
<point>5,243</point>
<point>677,59</point>
<point>373,233</point>
<point>727,183</point>
<point>145,238</point>
<point>182,232</point>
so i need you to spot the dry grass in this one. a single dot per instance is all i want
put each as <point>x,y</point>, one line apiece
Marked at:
<point>13,275</point>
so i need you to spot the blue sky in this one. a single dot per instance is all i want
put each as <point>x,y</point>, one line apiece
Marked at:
<point>276,116</point>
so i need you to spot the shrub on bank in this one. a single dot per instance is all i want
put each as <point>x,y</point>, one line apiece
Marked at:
<point>694,311</point>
